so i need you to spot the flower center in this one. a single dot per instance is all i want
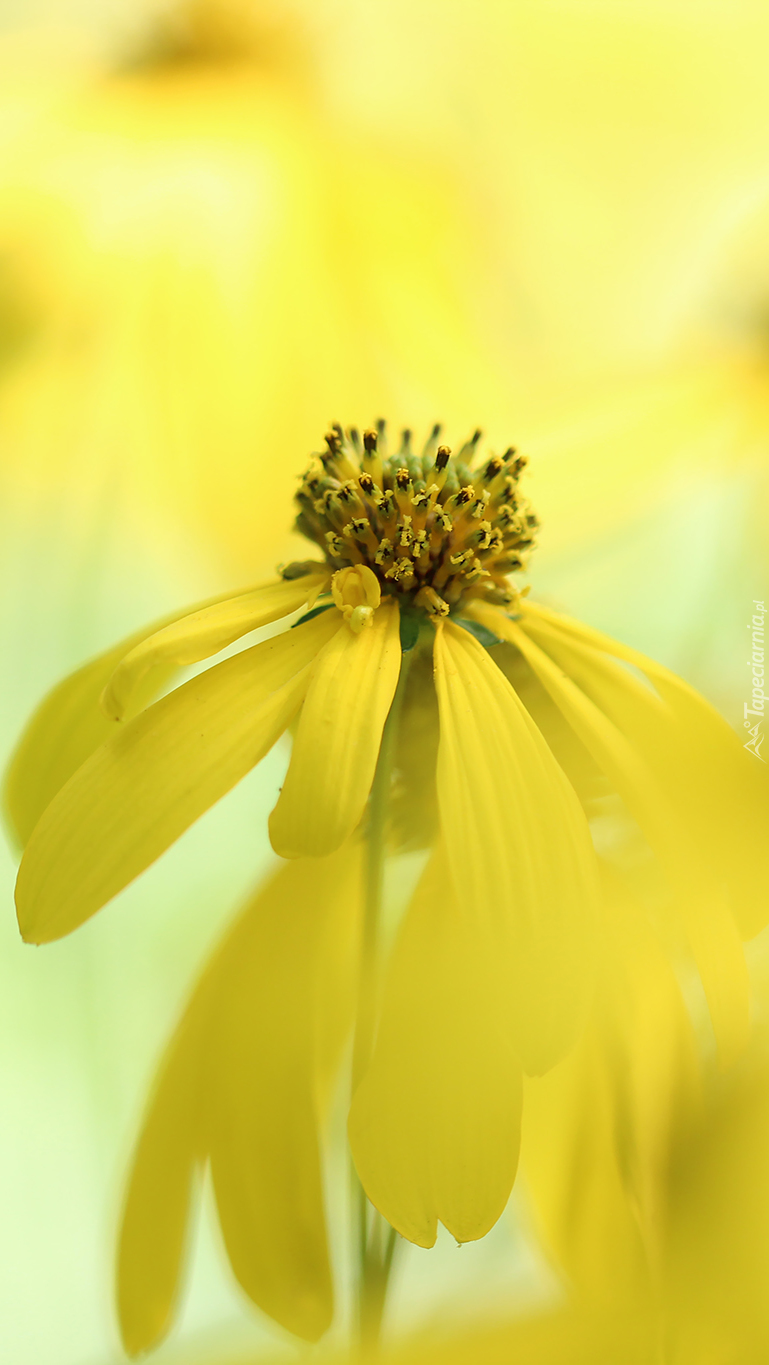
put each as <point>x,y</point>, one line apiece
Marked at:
<point>422,527</point>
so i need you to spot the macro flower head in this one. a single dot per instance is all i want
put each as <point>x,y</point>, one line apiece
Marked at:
<point>433,707</point>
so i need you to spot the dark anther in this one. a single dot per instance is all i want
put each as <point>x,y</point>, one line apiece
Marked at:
<point>402,479</point>
<point>442,457</point>
<point>436,431</point>
<point>518,465</point>
<point>333,442</point>
<point>370,440</point>
<point>492,468</point>
<point>354,435</point>
<point>336,427</point>
<point>476,436</point>
<point>366,483</point>
<point>510,453</point>
<point>463,496</point>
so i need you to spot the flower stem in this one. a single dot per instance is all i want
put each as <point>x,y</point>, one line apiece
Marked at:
<point>375,1239</point>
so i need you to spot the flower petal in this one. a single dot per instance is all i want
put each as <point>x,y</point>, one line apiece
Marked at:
<point>239,1085</point>
<point>711,931</point>
<point>263,1112</point>
<point>558,1335</point>
<point>434,1124</point>
<point>70,724</point>
<point>62,733</point>
<point>146,785</point>
<point>722,791</point>
<point>519,848</point>
<point>204,632</point>
<point>337,739</point>
<point>156,1215</point>
<point>599,1128</point>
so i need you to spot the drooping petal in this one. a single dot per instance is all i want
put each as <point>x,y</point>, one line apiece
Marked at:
<point>434,1124</point>
<point>337,739</point>
<point>710,928</point>
<point>240,1087</point>
<point>204,632</point>
<point>599,1129</point>
<point>147,784</point>
<point>721,790</point>
<point>263,1114</point>
<point>63,732</point>
<point>69,724</point>
<point>156,1214</point>
<point>585,776</point>
<point>518,846</point>
<point>341,893</point>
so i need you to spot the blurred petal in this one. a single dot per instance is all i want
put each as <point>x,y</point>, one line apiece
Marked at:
<point>156,1215</point>
<point>565,1336</point>
<point>262,1114</point>
<point>518,846</point>
<point>204,632</point>
<point>147,784</point>
<point>337,739</point>
<point>240,1086</point>
<point>721,790</point>
<point>710,928</point>
<point>717,1263</point>
<point>434,1124</point>
<point>598,1129</point>
<point>338,958</point>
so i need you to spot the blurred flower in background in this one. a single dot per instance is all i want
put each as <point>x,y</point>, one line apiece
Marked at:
<point>209,267</point>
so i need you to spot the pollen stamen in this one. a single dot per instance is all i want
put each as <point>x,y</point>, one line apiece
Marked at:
<point>429,531</point>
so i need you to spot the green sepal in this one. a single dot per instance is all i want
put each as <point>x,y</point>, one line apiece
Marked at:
<point>483,635</point>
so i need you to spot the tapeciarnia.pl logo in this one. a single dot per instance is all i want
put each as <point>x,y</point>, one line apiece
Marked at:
<point>755,707</point>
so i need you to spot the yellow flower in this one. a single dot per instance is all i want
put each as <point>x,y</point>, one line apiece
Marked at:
<point>418,550</point>
<point>424,686</point>
<point>412,544</point>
